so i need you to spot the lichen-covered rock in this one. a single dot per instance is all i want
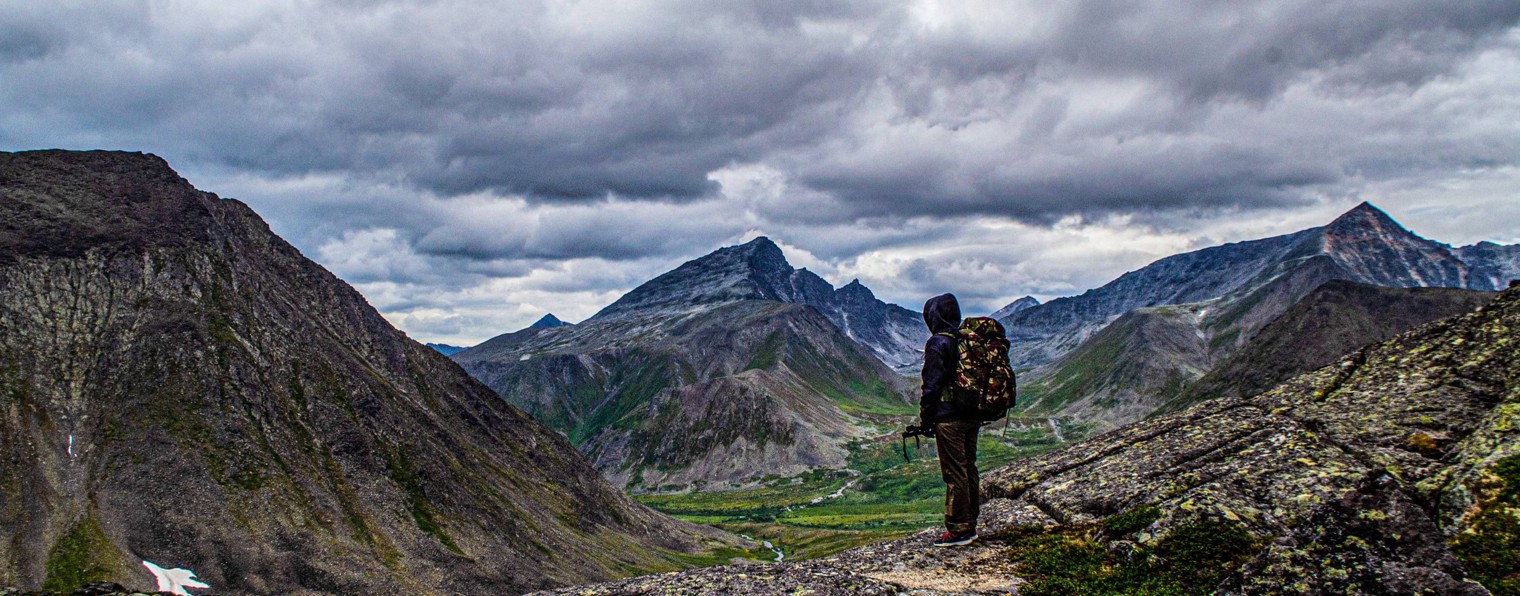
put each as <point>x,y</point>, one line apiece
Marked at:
<point>1360,471</point>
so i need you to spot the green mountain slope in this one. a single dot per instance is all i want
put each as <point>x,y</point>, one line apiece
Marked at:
<point>1124,372</point>
<point>728,393</point>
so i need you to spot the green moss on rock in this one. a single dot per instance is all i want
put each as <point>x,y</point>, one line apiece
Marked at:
<point>1490,548</point>
<point>1191,559</point>
<point>1131,521</point>
<point>82,556</point>
<point>405,474</point>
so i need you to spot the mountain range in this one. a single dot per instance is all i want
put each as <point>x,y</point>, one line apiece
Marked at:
<point>1363,245</point>
<point>758,270</point>
<point>445,349</point>
<point>1335,319</point>
<point>180,385</point>
<point>722,371</point>
<point>1116,353</point>
<point>1394,470</point>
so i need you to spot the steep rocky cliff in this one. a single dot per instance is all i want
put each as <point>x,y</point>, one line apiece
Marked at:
<point>1495,263</point>
<point>179,385</point>
<point>716,373</point>
<point>1393,471</point>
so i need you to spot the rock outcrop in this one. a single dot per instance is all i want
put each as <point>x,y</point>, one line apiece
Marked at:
<point>180,385</point>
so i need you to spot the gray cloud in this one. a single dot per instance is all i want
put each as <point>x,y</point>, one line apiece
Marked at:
<point>428,150</point>
<point>867,101</point>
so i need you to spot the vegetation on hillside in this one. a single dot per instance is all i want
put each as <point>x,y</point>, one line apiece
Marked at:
<point>880,496</point>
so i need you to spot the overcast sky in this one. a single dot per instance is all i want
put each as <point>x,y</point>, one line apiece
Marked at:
<point>471,165</point>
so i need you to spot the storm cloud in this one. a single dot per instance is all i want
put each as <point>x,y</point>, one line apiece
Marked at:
<point>454,157</point>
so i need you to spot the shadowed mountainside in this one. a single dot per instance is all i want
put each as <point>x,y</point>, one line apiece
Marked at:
<point>180,385</point>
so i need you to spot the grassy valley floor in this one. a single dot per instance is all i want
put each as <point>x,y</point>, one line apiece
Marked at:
<point>878,497</point>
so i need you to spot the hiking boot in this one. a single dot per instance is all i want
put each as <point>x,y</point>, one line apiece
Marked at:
<point>955,538</point>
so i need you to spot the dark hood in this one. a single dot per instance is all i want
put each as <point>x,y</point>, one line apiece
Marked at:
<point>942,313</point>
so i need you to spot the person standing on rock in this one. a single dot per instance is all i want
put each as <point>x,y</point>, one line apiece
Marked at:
<point>953,419</point>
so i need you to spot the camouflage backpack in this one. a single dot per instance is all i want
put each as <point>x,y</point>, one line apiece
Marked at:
<point>983,368</point>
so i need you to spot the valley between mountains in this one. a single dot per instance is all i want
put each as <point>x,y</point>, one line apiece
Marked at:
<point>1328,411</point>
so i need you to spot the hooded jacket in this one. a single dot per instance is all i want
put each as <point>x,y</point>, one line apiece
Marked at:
<point>942,314</point>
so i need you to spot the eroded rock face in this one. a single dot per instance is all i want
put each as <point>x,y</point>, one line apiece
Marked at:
<point>180,385</point>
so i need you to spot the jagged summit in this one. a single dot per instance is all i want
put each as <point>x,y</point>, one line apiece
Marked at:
<point>1373,248</point>
<point>1026,302</point>
<point>548,320</point>
<point>1364,216</point>
<point>856,292</point>
<point>744,272</point>
<point>758,270</point>
<point>1492,264</point>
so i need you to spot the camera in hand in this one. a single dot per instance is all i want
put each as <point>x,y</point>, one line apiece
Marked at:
<point>926,431</point>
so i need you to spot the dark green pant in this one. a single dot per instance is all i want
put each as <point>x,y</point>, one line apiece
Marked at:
<point>956,442</point>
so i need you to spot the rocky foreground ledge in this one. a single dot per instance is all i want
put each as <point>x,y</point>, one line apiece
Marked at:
<point>91,589</point>
<point>1394,471</point>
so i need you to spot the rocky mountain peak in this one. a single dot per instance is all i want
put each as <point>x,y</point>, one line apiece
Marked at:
<point>1364,218</point>
<point>856,292</point>
<point>763,254</point>
<point>748,271</point>
<point>758,270</point>
<point>548,320</point>
<point>1373,248</point>
<point>1024,303</point>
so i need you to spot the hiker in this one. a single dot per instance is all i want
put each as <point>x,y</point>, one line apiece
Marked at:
<point>954,420</point>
